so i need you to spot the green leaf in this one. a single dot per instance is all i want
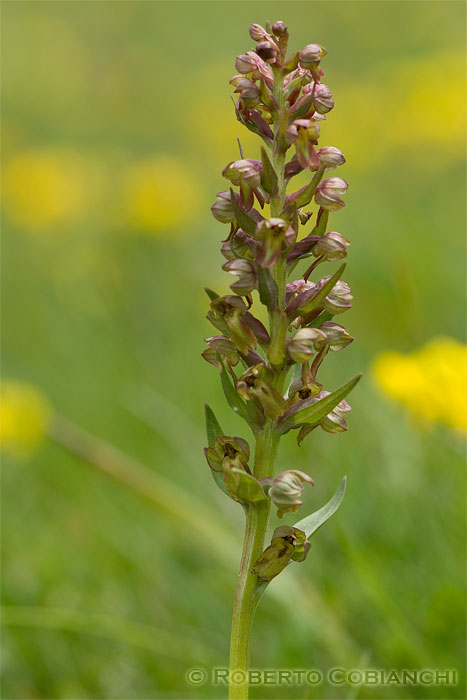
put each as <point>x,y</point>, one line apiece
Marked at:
<point>219,479</point>
<point>249,489</point>
<point>300,108</point>
<point>304,195</point>
<point>213,429</point>
<point>266,97</point>
<point>235,402</point>
<point>211,294</point>
<point>292,63</point>
<point>312,411</point>
<point>294,218</point>
<point>267,288</point>
<point>269,178</point>
<point>320,228</point>
<point>313,522</point>
<point>246,222</point>
<point>296,373</point>
<point>256,417</point>
<point>317,300</point>
<point>322,318</point>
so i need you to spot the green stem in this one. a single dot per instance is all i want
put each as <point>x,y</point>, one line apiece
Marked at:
<point>257,517</point>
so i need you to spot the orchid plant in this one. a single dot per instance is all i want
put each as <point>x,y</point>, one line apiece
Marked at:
<point>270,375</point>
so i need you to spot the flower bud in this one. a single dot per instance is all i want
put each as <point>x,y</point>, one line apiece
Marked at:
<point>222,209</point>
<point>224,346</point>
<point>247,174</point>
<point>330,157</point>
<point>305,343</point>
<point>337,337</point>
<point>328,191</point>
<point>335,422</point>
<point>332,246</point>
<point>311,56</point>
<point>239,244</point>
<point>257,32</point>
<point>279,29</point>
<point>240,82</point>
<point>250,96</point>
<point>275,235</point>
<point>247,275</point>
<point>285,490</point>
<point>249,91</point>
<point>210,356</point>
<point>319,117</point>
<point>339,298</point>
<point>246,63</point>
<point>267,51</point>
<point>322,100</point>
<point>246,170</point>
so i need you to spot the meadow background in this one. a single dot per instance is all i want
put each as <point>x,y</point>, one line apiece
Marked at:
<point>117,122</point>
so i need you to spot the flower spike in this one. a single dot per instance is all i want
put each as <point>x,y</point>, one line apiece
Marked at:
<point>270,369</point>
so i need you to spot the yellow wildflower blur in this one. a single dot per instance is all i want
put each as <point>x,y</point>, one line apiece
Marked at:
<point>430,382</point>
<point>43,189</point>
<point>394,113</point>
<point>160,194</point>
<point>24,416</point>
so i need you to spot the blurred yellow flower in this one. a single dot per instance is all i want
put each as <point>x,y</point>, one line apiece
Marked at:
<point>430,382</point>
<point>160,194</point>
<point>24,416</point>
<point>402,109</point>
<point>43,189</point>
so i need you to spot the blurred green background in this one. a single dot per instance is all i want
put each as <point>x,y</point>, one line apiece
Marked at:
<point>117,121</point>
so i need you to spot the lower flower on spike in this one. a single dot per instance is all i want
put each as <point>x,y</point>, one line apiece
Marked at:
<point>285,490</point>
